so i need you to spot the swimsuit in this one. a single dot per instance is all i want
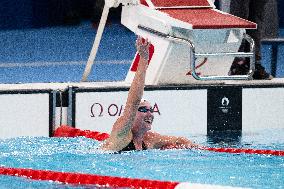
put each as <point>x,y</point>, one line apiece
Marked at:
<point>131,147</point>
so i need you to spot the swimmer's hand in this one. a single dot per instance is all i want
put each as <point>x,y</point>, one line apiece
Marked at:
<point>143,48</point>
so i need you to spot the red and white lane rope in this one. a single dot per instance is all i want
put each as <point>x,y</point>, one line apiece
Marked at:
<point>98,180</point>
<point>67,131</point>
<point>86,179</point>
<point>246,151</point>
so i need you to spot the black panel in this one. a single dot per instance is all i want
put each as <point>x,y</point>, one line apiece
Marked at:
<point>224,109</point>
<point>72,96</point>
<point>62,99</point>
<point>51,113</point>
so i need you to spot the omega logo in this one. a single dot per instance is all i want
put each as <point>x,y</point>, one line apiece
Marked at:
<point>99,110</point>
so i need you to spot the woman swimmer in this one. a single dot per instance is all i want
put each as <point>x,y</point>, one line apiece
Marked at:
<point>132,131</point>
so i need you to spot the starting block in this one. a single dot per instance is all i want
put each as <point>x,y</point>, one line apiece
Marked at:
<point>190,40</point>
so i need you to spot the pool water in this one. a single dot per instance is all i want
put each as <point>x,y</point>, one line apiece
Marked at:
<point>196,166</point>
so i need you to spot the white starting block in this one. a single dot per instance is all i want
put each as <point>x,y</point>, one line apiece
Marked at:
<point>191,40</point>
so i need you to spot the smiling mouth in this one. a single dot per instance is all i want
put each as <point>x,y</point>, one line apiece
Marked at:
<point>148,120</point>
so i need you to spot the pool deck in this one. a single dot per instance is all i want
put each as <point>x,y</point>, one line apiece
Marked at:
<point>276,82</point>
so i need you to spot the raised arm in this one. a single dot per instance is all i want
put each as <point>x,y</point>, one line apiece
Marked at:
<point>137,87</point>
<point>121,132</point>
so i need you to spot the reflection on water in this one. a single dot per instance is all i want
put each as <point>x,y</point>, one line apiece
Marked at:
<point>225,138</point>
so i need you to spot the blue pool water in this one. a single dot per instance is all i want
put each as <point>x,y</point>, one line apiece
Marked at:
<point>81,155</point>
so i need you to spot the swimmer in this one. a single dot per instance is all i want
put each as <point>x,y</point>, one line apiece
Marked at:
<point>132,131</point>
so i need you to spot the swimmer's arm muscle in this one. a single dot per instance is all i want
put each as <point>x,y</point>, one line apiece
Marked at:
<point>134,95</point>
<point>120,135</point>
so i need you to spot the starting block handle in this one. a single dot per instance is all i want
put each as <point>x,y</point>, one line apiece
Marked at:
<point>252,50</point>
<point>250,54</point>
<point>194,56</point>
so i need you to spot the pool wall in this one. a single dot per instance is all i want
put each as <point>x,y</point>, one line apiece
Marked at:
<point>36,110</point>
<point>26,113</point>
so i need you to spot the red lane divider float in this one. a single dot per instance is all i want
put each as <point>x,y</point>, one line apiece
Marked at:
<point>67,131</point>
<point>246,151</point>
<point>87,179</point>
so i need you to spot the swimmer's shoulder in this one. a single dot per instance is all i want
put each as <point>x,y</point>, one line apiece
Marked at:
<point>116,143</point>
<point>151,138</point>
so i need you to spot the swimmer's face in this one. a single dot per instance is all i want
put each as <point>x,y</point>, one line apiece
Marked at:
<point>145,115</point>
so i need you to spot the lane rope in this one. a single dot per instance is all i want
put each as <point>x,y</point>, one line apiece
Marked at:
<point>246,151</point>
<point>67,131</point>
<point>86,179</point>
<point>102,181</point>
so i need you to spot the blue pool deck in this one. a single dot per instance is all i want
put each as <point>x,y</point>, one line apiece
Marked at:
<point>59,54</point>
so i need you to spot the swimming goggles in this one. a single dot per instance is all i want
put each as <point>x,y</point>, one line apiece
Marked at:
<point>144,109</point>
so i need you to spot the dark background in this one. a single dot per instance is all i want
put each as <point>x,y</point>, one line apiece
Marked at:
<point>19,14</point>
